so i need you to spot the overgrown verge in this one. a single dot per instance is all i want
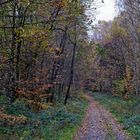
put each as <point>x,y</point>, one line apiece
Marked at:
<point>126,111</point>
<point>58,122</point>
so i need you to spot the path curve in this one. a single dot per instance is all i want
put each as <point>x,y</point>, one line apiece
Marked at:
<point>99,124</point>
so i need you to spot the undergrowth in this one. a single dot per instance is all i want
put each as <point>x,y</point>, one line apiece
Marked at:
<point>58,122</point>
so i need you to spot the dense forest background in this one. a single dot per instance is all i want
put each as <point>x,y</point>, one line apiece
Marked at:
<point>117,63</point>
<point>39,42</point>
<point>46,57</point>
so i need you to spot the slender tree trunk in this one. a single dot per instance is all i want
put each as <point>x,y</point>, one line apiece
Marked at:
<point>72,66</point>
<point>12,77</point>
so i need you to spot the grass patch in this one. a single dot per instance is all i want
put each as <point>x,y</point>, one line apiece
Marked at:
<point>58,122</point>
<point>126,111</point>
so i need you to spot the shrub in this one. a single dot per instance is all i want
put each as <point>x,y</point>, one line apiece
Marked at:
<point>119,88</point>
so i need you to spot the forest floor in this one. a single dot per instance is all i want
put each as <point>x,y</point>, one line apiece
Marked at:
<point>99,124</point>
<point>57,122</point>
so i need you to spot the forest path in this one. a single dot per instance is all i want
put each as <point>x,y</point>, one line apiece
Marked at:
<point>99,124</point>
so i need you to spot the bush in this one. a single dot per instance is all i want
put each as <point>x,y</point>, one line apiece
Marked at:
<point>119,87</point>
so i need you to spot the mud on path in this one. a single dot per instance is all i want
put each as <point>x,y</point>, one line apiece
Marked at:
<point>99,124</point>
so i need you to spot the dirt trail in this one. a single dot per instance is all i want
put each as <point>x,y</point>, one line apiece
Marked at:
<point>99,124</point>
